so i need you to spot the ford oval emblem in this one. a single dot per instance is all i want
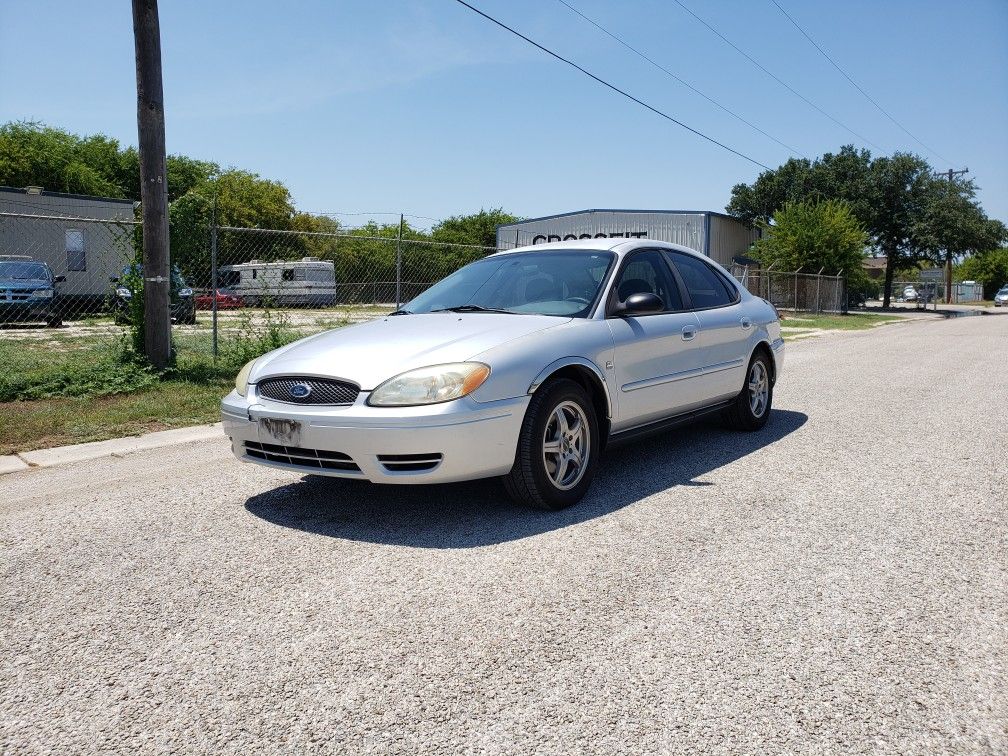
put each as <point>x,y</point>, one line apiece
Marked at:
<point>299,391</point>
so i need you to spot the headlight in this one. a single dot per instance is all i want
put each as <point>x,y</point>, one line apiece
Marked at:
<point>241,381</point>
<point>185,292</point>
<point>430,385</point>
<point>123,292</point>
<point>42,294</point>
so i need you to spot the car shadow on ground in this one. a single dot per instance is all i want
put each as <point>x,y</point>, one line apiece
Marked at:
<point>479,513</point>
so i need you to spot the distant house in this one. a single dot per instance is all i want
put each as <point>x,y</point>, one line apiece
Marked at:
<point>875,267</point>
<point>88,253</point>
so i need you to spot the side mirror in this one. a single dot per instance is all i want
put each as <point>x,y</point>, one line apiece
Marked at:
<point>59,279</point>
<point>643,303</point>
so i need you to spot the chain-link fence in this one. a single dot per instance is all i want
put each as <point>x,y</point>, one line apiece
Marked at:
<point>66,285</point>
<point>71,288</point>
<point>803,292</point>
<point>304,281</point>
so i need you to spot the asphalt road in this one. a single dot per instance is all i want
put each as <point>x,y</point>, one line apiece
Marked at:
<point>837,583</point>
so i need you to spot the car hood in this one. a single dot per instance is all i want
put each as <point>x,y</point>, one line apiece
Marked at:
<point>371,353</point>
<point>24,283</point>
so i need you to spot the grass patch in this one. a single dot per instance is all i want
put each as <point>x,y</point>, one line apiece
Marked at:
<point>830,322</point>
<point>40,424</point>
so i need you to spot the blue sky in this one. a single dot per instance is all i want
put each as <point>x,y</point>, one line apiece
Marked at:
<point>366,107</point>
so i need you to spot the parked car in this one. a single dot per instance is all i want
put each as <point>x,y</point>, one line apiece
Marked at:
<point>524,365</point>
<point>226,300</point>
<point>183,308</point>
<point>28,291</point>
<point>909,294</point>
<point>1001,298</point>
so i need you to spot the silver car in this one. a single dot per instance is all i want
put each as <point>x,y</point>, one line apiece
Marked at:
<point>523,365</point>
<point>1001,298</point>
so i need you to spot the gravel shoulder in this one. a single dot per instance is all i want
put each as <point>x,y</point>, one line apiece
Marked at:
<point>837,583</point>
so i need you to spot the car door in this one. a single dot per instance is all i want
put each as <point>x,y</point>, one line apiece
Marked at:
<point>723,339</point>
<point>655,366</point>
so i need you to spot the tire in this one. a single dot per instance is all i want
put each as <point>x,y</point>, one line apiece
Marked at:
<point>54,322</point>
<point>553,480</point>
<point>751,408</point>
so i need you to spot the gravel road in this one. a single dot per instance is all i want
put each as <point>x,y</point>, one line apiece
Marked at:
<point>837,583</point>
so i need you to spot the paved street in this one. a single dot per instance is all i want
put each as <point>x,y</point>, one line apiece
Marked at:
<point>837,583</point>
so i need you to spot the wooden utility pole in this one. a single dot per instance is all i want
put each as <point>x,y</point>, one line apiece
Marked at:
<point>951,174</point>
<point>153,183</point>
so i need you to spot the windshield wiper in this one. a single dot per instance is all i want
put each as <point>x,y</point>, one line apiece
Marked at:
<point>400,312</point>
<point>471,308</point>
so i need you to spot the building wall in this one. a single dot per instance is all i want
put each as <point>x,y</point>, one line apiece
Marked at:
<point>728,237</point>
<point>107,246</point>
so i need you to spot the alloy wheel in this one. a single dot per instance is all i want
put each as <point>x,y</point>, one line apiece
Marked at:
<point>566,445</point>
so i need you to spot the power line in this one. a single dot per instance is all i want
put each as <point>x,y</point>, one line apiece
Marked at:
<point>776,78</point>
<point>686,84</point>
<point>854,83</point>
<point>614,88</point>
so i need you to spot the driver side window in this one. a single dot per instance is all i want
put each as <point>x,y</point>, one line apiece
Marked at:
<point>647,272</point>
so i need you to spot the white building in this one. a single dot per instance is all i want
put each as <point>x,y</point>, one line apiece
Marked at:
<point>721,237</point>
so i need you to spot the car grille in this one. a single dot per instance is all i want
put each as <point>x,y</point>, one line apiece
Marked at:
<point>409,462</point>
<point>15,295</point>
<point>321,390</point>
<point>318,459</point>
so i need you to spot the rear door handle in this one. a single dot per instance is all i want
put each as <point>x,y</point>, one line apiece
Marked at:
<point>688,332</point>
<point>746,323</point>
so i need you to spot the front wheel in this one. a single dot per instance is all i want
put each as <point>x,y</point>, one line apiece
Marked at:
<point>558,448</point>
<point>751,408</point>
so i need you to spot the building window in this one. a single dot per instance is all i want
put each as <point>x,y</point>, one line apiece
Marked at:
<point>75,250</point>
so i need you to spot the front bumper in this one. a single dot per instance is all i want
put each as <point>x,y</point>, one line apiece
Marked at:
<point>441,443</point>
<point>777,347</point>
<point>32,309</point>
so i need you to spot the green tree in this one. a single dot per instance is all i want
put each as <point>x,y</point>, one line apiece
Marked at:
<point>35,154</point>
<point>910,214</point>
<point>811,236</point>
<point>954,225</point>
<point>989,268</point>
<point>478,228</point>
<point>900,190</point>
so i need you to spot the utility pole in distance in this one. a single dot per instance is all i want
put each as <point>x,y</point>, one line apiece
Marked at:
<point>951,174</point>
<point>153,182</point>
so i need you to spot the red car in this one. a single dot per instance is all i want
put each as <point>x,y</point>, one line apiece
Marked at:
<point>226,300</point>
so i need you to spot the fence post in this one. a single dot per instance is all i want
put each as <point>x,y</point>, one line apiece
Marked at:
<point>836,290</point>
<point>796,289</point>
<point>213,276</point>
<point>398,265</point>
<point>818,290</point>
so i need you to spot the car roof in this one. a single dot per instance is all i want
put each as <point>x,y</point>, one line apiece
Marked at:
<point>618,245</point>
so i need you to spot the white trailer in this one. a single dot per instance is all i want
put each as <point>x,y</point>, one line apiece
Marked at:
<point>308,282</point>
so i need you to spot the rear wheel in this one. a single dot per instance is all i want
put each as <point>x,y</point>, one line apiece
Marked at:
<point>54,321</point>
<point>558,448</point>
<point>751,407</point>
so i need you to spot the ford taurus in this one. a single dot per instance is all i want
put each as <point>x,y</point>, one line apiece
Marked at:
<point>523,365</point>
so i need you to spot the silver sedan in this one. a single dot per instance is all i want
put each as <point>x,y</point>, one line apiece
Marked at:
<point>523,365</point>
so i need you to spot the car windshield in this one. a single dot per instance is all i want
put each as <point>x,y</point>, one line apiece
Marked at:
<point>24,271</point>
<point>530,283</point>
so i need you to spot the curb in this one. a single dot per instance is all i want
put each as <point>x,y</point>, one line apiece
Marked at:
<point>115,447</point>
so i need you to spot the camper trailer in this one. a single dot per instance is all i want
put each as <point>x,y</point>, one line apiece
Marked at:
<point>308,282</point>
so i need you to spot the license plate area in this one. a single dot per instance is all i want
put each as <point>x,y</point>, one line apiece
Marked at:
<point>278,430</point>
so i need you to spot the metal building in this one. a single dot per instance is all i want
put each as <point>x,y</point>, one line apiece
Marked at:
<point>721,237</point>
<point>88,251</point>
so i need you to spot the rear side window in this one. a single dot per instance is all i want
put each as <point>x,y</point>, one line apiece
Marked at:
<point>705,286</point>
<point>647,272</point>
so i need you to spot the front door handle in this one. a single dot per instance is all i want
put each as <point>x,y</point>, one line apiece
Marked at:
<point>746,323</point>
<point>688,332</point>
